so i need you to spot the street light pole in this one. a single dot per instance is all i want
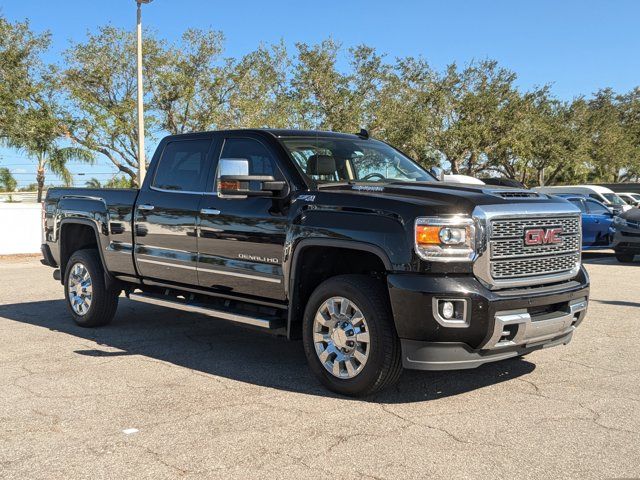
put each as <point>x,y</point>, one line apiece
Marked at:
<point>142,166</point>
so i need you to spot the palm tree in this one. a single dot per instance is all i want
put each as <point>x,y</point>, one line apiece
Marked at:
<point>93,183</point>
<point>39,137</point>
<point>7,182</point>
<point>56,158</point>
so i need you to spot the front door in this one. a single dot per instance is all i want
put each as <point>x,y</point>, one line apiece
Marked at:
<point>599,220</point>
<point>166,212</point>
<point>241,239</point>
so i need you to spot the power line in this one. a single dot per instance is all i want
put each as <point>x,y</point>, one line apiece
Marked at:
<point>73,174</point>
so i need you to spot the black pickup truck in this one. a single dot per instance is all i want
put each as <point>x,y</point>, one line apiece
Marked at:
<point>340,240</point>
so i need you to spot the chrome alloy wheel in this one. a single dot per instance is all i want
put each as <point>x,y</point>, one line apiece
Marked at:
<point>341,337</point>
<point>80,289</point>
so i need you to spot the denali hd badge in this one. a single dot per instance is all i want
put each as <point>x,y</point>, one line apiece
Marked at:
<point>541,236</point>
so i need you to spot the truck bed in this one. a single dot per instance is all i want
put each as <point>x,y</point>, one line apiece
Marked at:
<point>109,210</point>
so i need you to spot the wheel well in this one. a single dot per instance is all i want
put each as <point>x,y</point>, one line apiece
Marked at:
<point>74,237</point>
<point>315,264</point>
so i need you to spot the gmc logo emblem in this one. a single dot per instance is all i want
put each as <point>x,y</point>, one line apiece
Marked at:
<point>540,236</point>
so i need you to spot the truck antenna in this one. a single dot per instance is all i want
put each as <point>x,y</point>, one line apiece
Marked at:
<point>363,134</point>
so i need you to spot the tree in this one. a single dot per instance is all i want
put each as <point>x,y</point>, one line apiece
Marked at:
<point>322,93</point>
<point>259,93</point>
<point>404,106</point>
<point>7,182</point>
<point>629,108</point>
<point>93,183</point>
<point>20,64</point>
<point>99,81</point>
<point>119,182</point>
<point>610,147</point>
<point>40,136</point>
<point>32,187</point>
<point>191,86</point>
<point>115,182</point>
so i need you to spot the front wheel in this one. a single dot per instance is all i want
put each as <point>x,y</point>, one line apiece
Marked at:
<point>349,336</point>
<point>90,302</point>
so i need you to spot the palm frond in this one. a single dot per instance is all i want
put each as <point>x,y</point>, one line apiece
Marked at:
<point>67,154</point>
<point>59,167</point>
<point>59,158</point>
<point>93,183</point>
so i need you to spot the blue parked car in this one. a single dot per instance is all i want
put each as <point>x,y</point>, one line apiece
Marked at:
<point>597,220</point>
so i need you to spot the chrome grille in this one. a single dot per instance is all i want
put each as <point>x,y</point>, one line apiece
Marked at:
<point>515,227</point>
<point>534,266</point>
<point>511,259</point>
<point>512,247</point>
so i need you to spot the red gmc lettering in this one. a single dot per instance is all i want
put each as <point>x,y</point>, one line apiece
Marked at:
<point>540,236</point>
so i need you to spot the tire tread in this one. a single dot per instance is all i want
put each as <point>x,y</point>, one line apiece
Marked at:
<point>104,302</point>
<point>391,364</point>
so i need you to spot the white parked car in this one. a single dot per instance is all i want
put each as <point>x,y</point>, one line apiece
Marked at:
<point>631,198</point>
<point>602,194</point>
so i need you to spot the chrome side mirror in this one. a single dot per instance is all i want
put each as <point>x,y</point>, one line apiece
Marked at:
<point>233,180</point>
<point>233,166</point>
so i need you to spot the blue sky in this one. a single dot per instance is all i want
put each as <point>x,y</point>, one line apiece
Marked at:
<point>576,46</point>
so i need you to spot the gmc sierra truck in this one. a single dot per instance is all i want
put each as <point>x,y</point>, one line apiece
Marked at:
<point>340,240</point>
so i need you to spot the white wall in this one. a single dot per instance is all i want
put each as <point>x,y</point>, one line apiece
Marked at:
<point>20,229</point>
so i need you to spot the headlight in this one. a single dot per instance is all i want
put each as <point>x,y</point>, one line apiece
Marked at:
<point>445,239</point>
<point>619,222</point>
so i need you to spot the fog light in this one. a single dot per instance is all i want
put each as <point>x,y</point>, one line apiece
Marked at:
<point>448,310</point>
<point>451,312</point>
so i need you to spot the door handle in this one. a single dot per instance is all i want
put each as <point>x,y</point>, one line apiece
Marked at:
<point>146,207</point>
<point>210,211</point>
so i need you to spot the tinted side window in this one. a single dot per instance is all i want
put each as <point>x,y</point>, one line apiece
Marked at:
<point>183,166</point>
<point>261,162</point>
<point>579,204</point>
<point>596,208</point>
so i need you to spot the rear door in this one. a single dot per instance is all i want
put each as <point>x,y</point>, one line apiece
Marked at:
<point>166,212</point>
<point>242,239</point>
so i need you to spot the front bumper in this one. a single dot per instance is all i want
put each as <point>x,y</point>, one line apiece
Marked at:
<point>500,324</point>
<point>626,240</point>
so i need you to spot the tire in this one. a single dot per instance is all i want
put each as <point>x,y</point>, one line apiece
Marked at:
<point>99,305</point>
<point>383,364</point>
<point>624,257</point>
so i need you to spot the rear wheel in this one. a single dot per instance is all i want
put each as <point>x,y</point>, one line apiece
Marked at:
<point>88,299</point>
<point>625,257</point>
<point>349,336</point>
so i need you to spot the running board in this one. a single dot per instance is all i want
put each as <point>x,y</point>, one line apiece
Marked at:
<point>171,302</point>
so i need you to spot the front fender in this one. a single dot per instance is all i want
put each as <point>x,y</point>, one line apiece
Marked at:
<point>383,235</point>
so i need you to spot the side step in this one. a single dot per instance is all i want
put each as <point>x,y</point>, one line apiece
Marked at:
<point>204,309</point>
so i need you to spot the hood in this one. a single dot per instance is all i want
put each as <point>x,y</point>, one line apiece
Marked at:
<point>632,214</point>
<point>463,197</point>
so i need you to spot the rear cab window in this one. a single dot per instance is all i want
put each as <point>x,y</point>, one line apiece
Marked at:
<point>183,166</point>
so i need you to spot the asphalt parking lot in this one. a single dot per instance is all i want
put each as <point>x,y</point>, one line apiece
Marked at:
<point>164,394</point>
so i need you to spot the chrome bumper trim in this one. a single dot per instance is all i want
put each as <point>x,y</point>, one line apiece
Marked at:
<point>517,327</point>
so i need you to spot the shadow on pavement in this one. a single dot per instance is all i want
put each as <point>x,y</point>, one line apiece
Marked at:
<point>238,353</point>
<point>606,257</point>
<point>620,303</point>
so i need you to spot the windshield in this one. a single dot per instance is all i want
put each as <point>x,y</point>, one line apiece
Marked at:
<point>614,199</point>
<point>331,160</point>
